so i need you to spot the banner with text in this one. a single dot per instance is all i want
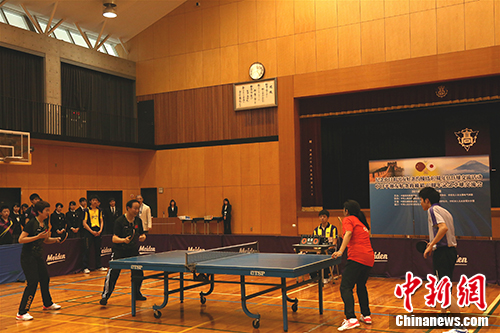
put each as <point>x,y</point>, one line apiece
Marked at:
<point>464,184</point>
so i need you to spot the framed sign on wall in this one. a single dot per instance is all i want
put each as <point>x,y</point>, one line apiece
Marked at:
<point>255,95</point>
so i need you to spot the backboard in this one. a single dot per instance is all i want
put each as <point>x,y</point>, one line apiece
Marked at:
<point>15,147</point>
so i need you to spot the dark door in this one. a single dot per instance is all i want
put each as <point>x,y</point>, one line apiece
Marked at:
<point>150,198</point>
<point>145,120</point>
<point>10,195</point>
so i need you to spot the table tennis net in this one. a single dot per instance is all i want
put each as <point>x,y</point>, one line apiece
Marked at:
<point>192,258</point>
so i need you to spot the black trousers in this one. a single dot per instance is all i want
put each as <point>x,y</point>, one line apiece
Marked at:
<point>113,274</point>
<point>90,241</point>
<point>35,270</point>
<point>355,274</point>
<point>227,225</point>
<point>443,261</point>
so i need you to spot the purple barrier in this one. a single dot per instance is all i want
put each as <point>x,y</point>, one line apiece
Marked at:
<point>10,265</point>
<point>182,242</point>
<point>392,257</point>
<point>65,258</point>
<point>267,244</point>
<point>474,257</point>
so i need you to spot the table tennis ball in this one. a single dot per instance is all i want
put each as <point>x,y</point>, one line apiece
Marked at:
<point>294,225</point>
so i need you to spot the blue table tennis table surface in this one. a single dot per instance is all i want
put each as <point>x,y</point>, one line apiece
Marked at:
<point>261,264</point>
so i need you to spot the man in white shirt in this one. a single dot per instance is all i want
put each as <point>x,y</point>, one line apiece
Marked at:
<point>144,214</point>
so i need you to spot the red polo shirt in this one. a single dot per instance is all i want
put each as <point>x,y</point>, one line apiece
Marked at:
<point>359,248</point>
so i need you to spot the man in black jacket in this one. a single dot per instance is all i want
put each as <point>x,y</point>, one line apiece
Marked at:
<point>111,214</point>
<point>127,234</point>
<point>73,221</point>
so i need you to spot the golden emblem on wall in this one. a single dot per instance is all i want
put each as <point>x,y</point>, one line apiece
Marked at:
<point>467,138</point>
<point>441,91</point>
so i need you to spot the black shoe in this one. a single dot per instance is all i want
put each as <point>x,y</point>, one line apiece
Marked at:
<point>140,297</point>
<point>103,301</point>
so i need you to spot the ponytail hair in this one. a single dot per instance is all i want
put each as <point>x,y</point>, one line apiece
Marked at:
<point>354,209</point>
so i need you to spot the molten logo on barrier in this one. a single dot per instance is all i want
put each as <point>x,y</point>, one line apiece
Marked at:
<point>381,257</point>
<point>55,258</point>
<point>146,249</point>
<point>105,251</point>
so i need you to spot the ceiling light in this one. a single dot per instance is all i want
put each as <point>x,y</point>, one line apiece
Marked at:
<point>109,10</point>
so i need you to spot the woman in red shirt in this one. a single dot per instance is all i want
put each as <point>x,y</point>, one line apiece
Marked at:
<point>360,260</point>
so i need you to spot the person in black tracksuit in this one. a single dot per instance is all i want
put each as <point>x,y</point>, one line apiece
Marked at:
<point>127,234</point>
<point>35,233</point>
<point>226,216</point>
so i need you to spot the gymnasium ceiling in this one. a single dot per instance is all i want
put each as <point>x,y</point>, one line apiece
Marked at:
<point>133,15</point>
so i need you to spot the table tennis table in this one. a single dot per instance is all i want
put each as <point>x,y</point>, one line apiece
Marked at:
<point>230,260</point>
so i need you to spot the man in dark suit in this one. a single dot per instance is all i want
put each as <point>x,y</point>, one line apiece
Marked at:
<point>111,214</point>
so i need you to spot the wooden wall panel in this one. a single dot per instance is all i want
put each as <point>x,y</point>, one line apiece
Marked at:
<point>348,12</point>
<point>196,167</point>
<point>326,14</point>
<point>231,165</point>
<point>372,41</point>
<point>285,20</point>
<point>247,22</point>
<point>251,210</point>
<point>207,114</point>
<point>397,39</point>
<point>372,10</point>
<point>64,182</point>
<point>305,52</point>
<point>326,49</point>
<point>266,26</point>
<point>179,169</point>
<point>305,16</point>
<point>213,200</point>
<point>196,201</point>
<point>423,33</point>
<point>479,24</point>
<point>270,211</point>
<point>349,37</point>
<point>213,166</point>
<point>211,28</point>
<point>250,164</point>
<point>180,195</point>
<point>450,28</point>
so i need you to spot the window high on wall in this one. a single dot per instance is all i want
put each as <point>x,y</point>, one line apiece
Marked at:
<point>63,32</point>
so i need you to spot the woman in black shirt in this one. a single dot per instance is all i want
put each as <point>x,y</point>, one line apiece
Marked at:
<point>35,233</point>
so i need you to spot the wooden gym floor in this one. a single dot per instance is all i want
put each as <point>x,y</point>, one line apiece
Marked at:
<point>79,294</point>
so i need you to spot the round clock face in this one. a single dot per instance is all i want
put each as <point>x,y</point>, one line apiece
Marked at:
<point>256,71</point>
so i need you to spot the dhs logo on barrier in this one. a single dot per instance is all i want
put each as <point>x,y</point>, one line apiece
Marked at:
<point>105,251</point>
<point>461,261</point>
<point>146,249</point>
<point>55,258</point>
<point>381,257</point>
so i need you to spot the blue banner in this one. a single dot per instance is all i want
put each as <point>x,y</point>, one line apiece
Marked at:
<point>463,182</point>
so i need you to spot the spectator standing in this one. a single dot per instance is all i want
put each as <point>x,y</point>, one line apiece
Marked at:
<point>58,224</point>
<point>15,216</point>
<point>73,221</point>
<point>93,223</point>
<point>111,214</point>
<point>226,215</point>
<point>172,209</point>
<point>144,214</point>
<point>6,226</point>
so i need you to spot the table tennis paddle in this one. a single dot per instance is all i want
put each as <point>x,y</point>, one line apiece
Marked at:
<point>63,237</point>
<point>421,246</point>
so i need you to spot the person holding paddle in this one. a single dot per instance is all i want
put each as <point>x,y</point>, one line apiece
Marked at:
<point>127,233</point>
<point>443,244</point>
<point>360,260</point>
<point>35,234</point>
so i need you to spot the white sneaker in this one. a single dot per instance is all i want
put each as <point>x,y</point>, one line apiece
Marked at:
<point>366,320</point>
<point>348,324</point>
<point>102,269</point>
<point>24,317</point>
<point>457,330</point>
<point>54,306</point>
<point>86,271</point>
